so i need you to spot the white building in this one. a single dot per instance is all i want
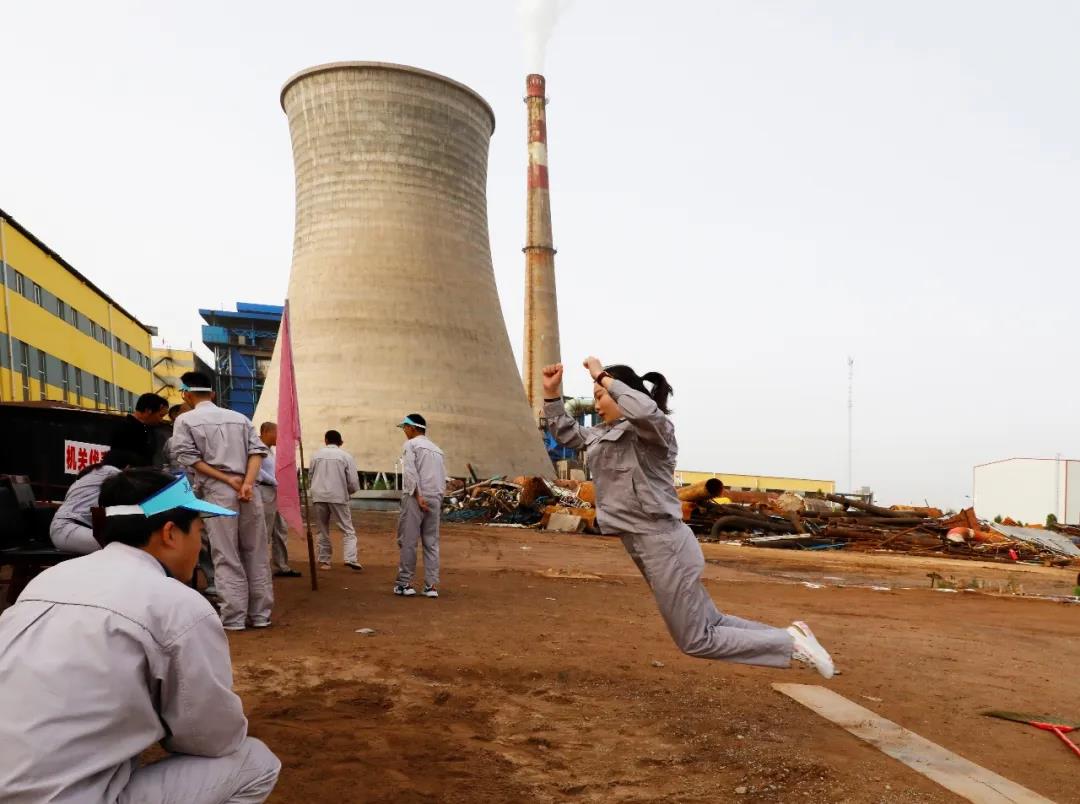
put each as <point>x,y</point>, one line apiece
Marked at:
<point>1027,489</point>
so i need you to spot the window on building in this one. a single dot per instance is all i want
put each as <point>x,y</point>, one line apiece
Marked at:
<point>97,391</point>
<point>73,317</point>
<point>43,375</point>
<point>24,368</point>
<point>131,401</point>
<point>37,294</point>
<point>78,386</point>
<point>65,379</point>
<point>118,345</point>
<point>20,283</point>
<point>108,396</point>
<point>61,310</point>
<point>93,330</point>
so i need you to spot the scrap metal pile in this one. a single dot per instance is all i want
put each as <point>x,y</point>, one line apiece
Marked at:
<point>525,501</point>
<point>831,521</point>
<point>768,519</point>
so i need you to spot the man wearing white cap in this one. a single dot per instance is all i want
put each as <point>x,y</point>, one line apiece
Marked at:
<point>423,485</point>
<point>223,449</point>
<point>109,654</point>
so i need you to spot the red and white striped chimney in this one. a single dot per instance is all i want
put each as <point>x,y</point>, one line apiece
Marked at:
<point>541,304</point>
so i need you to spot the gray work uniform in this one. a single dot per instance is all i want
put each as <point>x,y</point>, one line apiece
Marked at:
<point>71,528</point>
<point>332,481</point>
<point>225,439</point>
<point>423,471</point>
<point>206,557</point>
<point>102,657</point>
<point>632,462</point>
<point>276,530</point>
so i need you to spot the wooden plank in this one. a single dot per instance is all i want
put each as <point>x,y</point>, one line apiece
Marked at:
<point>951,771</point>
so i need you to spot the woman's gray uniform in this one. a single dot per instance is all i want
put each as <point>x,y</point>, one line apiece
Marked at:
<point>632,462</point>
<point>71,529</point>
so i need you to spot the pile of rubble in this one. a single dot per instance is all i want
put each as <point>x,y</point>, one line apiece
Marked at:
<point>830,521</point>
<point>768,519</point>
<point>562,505</point>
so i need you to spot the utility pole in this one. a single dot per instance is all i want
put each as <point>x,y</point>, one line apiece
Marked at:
<point>850,408</point>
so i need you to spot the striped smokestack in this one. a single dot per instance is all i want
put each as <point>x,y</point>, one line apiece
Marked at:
<point>541,305</point>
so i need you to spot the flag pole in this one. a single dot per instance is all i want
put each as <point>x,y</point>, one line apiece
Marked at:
<point>307,522</point>
<point>289,425</point>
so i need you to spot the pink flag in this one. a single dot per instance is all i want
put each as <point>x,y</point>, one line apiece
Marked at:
<point>288,420</point>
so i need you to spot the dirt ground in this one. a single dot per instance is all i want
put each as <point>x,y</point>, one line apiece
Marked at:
<point>544,673</point>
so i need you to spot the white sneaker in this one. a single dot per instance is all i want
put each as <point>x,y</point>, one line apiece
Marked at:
<point>808,650</point>
<point>404,591</point>
<point>430,591</point>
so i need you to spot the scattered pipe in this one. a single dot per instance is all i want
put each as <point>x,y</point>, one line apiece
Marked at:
<point>699,492</point>
<point>871,509</point>
<point>579,405</point>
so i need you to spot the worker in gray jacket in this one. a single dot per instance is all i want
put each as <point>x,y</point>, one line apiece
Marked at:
<point>423,484</point>
<point>72,529</point>
<point>332,481</point>
<point>108,654</point>
<point>225,453</point>
<point>277,531</point>
<point>631,455</point>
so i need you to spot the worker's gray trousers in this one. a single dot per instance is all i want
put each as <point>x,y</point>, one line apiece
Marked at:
<point>276,530</point>
<point>245,776</point>
<point>342,514</point>
<point>672,563</point>
<point>241,564</point>
<point>72,537</point>
<point>416,526</point>
<point>206,561</point>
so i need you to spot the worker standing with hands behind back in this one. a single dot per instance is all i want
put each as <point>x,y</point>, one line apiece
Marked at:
<point>332,480</point>
<point>223,449</point>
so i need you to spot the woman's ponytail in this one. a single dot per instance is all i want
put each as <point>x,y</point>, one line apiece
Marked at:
<point>661,389</point>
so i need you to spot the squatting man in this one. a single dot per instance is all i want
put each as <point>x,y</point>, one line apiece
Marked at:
<point>107,654</point>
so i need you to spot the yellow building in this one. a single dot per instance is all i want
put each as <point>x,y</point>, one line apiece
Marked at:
<point>169,365</point>
<point>757,482</point>
<point>61,337</point>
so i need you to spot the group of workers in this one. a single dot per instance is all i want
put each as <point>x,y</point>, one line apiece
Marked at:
<point>104,655</point>
<point>150,654</point>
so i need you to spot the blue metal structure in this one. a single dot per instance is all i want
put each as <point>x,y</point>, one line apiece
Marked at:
<point>242,343</point>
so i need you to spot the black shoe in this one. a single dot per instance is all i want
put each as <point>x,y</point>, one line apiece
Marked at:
<point>354,565</point>
<point>289,573</point>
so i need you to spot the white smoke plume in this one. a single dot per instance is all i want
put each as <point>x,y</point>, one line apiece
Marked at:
<point>538,19</point>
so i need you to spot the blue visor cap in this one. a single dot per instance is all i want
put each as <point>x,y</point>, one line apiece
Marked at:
<point>177,494</point>
<point>407,422</point>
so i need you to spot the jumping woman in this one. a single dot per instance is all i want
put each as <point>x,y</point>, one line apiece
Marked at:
<point>632,459</point>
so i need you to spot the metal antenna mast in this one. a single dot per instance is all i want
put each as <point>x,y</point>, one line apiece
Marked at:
<point>850,408</point>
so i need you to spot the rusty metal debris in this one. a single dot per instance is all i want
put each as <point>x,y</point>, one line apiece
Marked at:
<point>766,519</point>
<point>835,522</point>
<point>521,501</point>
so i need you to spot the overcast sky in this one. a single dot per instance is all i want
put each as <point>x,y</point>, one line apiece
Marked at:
<point>744,193</point>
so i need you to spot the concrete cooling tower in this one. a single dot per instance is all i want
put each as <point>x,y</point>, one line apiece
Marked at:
<point>392,295</point>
